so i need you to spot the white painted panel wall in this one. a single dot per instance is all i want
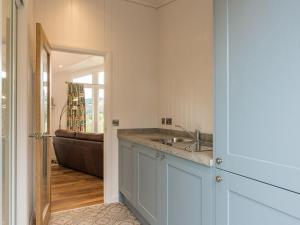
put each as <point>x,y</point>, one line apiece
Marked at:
<point>133,32</point>
<point>135,78</point>
<point>129,31</point>
<point>135,81</point>
<point>161,59</point>
<point>185,69</point>
<point>73,22</point>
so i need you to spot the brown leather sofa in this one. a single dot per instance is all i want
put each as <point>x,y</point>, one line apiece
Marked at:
<point>80,151</point>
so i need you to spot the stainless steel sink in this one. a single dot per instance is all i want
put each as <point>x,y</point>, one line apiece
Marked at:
<point>187,144</point>
<point>173,140</point>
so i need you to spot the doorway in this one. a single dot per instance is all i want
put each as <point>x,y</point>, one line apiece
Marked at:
<point>77,120</point>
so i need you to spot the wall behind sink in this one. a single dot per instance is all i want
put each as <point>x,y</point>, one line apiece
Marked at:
<point>186,62</point>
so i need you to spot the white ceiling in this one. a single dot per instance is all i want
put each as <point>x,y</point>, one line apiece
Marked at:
<point>69,62</point>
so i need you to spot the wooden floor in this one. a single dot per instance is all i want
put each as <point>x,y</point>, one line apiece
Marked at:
<point>72,189</point>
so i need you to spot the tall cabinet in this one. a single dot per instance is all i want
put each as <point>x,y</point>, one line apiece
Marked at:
<point>257,85</point>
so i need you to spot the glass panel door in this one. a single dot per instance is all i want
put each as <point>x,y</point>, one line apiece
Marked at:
<point>42,128</point>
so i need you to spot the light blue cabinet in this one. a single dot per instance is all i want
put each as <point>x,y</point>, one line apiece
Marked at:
<point>127,170</point>
<point>243,201</point>
<point>188,192</point>
<point>148,185</point>
<point>164,189</point>
<point>257,52</point>
<point>257,75</point>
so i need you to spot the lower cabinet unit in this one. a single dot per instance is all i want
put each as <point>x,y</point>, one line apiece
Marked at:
<point>243,201</point>
<point>126,170</point>
<point>188,190</point>
<point>148,185</point>
<point>167,190</point>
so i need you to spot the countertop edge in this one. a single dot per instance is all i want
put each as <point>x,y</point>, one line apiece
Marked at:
<point>190,156</point>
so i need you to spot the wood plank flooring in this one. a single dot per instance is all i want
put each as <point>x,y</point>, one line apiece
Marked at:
<point>72,189</point>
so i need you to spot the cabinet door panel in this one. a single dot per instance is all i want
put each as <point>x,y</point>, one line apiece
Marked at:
<point>126,170</point>
<point>242,201</point>
<point>257,89</point>
<point>187,193</point>
<point>148,185</point>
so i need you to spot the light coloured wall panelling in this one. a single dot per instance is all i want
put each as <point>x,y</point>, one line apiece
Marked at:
<point>185,64</point>
<point>127,30</point>
<point>161,58</point>
<point>74,23</point>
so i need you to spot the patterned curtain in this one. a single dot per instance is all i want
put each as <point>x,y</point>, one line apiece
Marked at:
<point>76,118</point>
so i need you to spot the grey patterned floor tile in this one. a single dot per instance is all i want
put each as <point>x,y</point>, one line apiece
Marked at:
<point>105,214</point>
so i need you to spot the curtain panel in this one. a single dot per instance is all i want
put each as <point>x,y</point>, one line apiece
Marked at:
<point>76,117</point>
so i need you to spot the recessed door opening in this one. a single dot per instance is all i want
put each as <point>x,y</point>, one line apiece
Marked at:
<point>77,120</point>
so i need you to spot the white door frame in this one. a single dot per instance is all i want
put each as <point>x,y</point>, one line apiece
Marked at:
<point>108,184</point>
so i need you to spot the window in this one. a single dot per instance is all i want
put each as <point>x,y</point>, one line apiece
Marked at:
<point>100,102</point>
<point>94,100</point>
<point>3,74</point>
<point>89,103</point>
<point>101,78</point>
<point>101,110</point>
<point>85,79</point>
<point>89,109</point>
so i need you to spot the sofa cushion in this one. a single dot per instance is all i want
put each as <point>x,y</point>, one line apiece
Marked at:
<point>65,133</point>
<point>89,136</point>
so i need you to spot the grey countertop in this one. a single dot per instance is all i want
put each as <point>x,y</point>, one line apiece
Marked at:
<point>144,138</point>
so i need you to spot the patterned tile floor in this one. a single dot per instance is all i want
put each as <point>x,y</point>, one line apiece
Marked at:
<point>105,214</point>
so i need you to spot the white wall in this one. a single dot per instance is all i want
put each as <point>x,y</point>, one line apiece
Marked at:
<point>161,58</point>
<point>74,23</point>
<point>135,58</point>
<point>186,63</point>
<point>135,83</point>
<point>25,68</point>
<point>178,35</point>
<point>127,30</point>
<point>130,32</point>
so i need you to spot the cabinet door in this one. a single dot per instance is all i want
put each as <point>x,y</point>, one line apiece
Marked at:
<point>257,89</point>
<point>243,201</point>
<point>148,201</point>
<point>126,170</point>
<point>187,193</point>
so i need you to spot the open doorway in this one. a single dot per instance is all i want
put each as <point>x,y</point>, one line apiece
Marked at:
<point>77,120</point>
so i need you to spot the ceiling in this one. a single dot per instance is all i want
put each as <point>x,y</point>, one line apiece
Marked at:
<point>70,62</point>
